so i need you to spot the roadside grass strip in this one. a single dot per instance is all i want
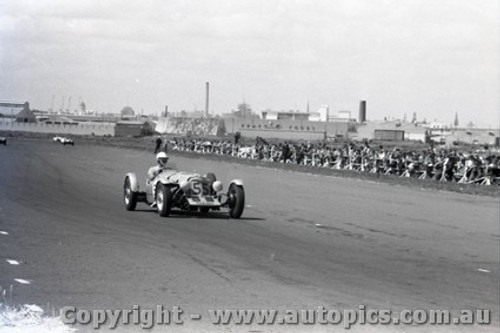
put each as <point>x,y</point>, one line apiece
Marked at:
<point>29,319</point>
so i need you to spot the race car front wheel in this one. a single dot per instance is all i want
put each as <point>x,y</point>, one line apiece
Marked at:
<point>237,201</point>
<point>163,200</point>
<point>129,196</point>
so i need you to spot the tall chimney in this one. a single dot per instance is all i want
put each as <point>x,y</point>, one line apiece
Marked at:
<point>207,99</point>
<point>362,112</point>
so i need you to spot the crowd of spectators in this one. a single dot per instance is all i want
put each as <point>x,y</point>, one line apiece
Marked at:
<point>192,126</point>
<point>441,164</point>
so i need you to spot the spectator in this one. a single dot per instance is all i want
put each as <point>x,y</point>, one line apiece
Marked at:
<point>158,143</point>
<point>481,167</point>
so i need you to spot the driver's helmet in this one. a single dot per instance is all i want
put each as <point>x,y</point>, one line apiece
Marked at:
<point>162,158</point>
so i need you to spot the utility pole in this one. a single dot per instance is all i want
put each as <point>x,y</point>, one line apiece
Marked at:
<point>52,104</point>
<point>62,103</point>
<point>207,98</point>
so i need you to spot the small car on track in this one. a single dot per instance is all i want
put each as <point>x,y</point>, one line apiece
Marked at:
<point>185,191</point>
<point>63,140</point>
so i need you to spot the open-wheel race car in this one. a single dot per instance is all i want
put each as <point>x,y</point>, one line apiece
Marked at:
<point>186,191</point>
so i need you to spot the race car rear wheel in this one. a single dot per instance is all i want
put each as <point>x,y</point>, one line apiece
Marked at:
<point>163,200</point>
<point>129,196</point>
<point>237,201</point>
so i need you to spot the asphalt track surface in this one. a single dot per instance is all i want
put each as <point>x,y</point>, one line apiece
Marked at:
<point>304,241</point>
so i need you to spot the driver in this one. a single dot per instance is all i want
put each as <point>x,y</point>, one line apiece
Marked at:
<point>161,159</point>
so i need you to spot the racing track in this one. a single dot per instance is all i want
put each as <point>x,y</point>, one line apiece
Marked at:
<point>304,241</point>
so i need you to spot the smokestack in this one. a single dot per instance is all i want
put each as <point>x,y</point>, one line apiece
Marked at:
<point>362,112</point>
<point>207,99</point>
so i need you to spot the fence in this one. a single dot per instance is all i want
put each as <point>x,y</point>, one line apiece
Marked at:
<point>97,129</point>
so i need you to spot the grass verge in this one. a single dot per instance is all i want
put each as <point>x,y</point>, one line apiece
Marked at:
<point>147,143</point>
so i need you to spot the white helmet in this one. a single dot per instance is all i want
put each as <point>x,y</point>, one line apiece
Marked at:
<point>162,158</point>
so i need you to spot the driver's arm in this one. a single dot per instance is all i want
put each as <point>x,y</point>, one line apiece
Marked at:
<point>153,172</point>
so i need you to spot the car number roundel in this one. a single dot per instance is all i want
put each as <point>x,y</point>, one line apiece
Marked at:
<point>199,188</point>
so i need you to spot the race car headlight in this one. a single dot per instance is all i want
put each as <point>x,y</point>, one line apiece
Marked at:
<point>184,185</point>
<point>217,186</point>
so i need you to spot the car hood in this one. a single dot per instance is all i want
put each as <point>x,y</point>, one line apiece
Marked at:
<point>176,177</point>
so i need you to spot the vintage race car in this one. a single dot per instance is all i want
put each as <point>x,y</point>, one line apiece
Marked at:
<point>185,191</point>
<point>3,140</point>
<point>63,140</point>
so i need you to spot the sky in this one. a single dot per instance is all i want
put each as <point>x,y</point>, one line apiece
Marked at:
<point>432,57</point>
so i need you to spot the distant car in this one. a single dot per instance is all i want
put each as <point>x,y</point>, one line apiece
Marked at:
<point>185,191</point>
<point>3,140</point>
<point>65,141</point>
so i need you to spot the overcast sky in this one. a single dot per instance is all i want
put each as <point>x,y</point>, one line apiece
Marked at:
<point>433,57</point>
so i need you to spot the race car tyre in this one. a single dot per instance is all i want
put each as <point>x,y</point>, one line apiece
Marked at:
<point>164,200</point>
<point>237,203</point>
<point>204,210</point>
<point>129,196</point>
